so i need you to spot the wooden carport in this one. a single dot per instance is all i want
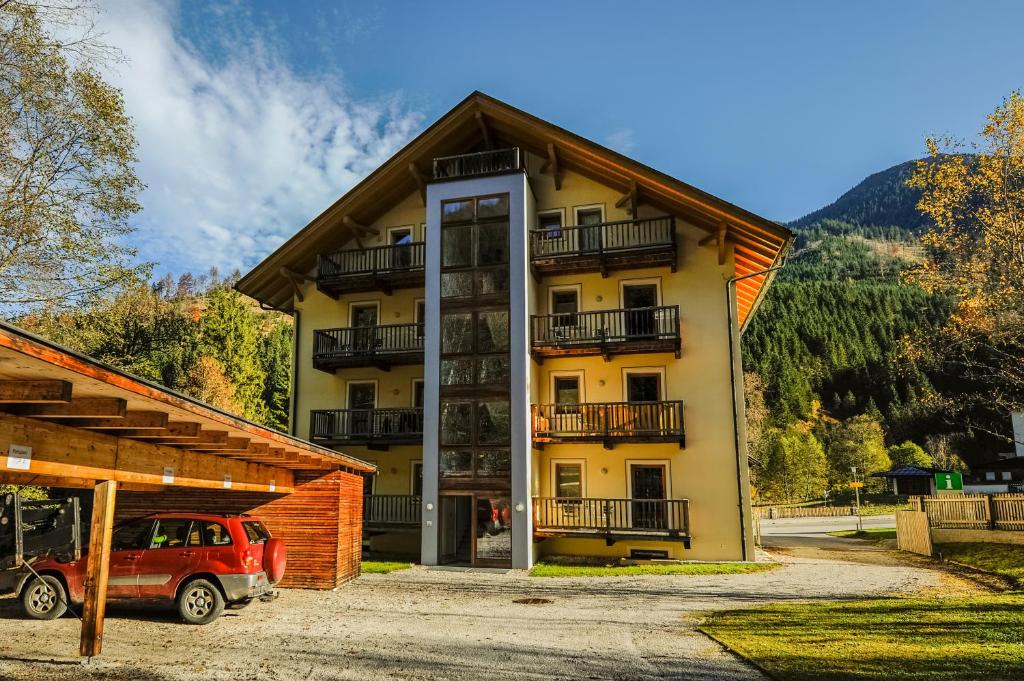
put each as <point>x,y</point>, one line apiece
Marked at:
<point>67,420</point>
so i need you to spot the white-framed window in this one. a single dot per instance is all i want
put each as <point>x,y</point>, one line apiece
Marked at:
<point>364,313</point>
<point>420,316</point>
<point>648,479</point>
<point>551,222</point>
<point>361,394</point>
<point>643,384</point>
<point>1007,475</point>
<point>416,477</point>
<point>591,214</point>
<point>563,303</point>
<point>568,478</point>
<point>990,475</point>
<point>417,392</point>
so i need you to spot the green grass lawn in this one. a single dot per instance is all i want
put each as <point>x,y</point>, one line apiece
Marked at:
<point>935,639</point>
<point>1005,560</point>
<point>882,509</point>
<point>868,533</point>
<point>554,570</point>
<point>382,567</point>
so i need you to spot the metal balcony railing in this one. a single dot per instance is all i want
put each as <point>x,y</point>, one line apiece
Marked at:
<point>480,163</point>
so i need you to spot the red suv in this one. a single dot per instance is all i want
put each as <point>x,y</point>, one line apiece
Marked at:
<point>201,562</point>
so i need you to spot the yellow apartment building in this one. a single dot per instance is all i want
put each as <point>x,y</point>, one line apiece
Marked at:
<point>535,339</point>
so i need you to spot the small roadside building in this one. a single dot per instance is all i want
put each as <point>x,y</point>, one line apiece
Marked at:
<point>69,421</point>
<point>911,480</point>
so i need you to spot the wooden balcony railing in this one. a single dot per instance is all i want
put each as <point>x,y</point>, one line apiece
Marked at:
<point>373,427</point>
<point>369,269</point>
<point>481,163</point>
<point>609,422</point>
<point>609,245</point>
<point>606,332</point>
<point>660,519</point>
<point>380,346</point>
<point>387,510</point>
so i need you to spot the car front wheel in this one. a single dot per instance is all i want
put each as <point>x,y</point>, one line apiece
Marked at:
<point>200,602</point>
<point>44,598</point>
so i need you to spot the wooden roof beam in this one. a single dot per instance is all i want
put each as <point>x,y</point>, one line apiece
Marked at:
<point>81,408</point>
<point>174,430</point>
<point>420,181</point>
<point>30,392</point>
<point>296,279</point>
<point>631,198</point>
<point>233,444</point>
<point>206,437</point>
<point>485,131</point>
<point>153,420</point>
<point>552,165</point>
<point>349,222</point>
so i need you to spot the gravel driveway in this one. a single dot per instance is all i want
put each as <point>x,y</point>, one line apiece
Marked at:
<point>437,624</point>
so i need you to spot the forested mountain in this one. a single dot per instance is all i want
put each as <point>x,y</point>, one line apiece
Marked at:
<point>831,350</point>
<point>880,201</point>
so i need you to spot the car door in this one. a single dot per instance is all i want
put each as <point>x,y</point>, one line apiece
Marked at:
<point>127,545</point>
<point>173,554</point>
<point>219,554</point>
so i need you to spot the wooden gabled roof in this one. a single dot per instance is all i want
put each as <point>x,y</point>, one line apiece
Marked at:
<point>758,243</point>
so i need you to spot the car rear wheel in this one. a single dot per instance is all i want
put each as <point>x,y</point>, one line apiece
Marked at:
<point>200,602</point>
<point>44,598</point>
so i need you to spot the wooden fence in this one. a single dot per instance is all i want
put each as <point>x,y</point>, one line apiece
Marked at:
<point>913,533</point>
<point>773,512</point>
<point>973,511</point>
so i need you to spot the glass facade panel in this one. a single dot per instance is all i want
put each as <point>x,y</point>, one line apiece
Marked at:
<point>493,423</point>
<point>456,284</point>
<point>457,333</point>
<point>493,206</point>
<point>492,371</point>
<point>456,463</point>
<point>492,332</point>
<point>493,463</point>
<point>492,282</point>
<point>456,423</point>
<point>492,244</point>
<point>457,246</point>
<point>456,371</point>
<point>457,211</point>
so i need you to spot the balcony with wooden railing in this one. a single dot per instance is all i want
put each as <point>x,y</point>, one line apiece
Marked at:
<point>374,428</point>
<point>624,244</point>
<point>612,519</point>
<point>606,332</point>
<point>496,162</point>
<point>609,423</point>
<point>380,268</point>
<point>368,346</point>
<point>391,511</point>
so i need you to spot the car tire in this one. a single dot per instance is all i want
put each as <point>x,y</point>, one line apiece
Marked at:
<point>44,598</point>
<point>200,602</point>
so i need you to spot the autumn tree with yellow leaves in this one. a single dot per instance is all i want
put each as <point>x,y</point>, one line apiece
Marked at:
<point>974,194</point>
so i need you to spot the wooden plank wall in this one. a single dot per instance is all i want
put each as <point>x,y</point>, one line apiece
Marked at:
<point>320,522</point>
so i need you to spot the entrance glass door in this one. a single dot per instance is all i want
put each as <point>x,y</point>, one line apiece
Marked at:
<point>401,240</point>
<point>362,398</point>
<point>639,302</point>
<point>456,529</point>
<point>648,483</point>
<point>364,322</point>
<point>589,221</point>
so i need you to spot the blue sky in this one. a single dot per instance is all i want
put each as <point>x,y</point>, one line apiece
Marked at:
<point>253,117</point>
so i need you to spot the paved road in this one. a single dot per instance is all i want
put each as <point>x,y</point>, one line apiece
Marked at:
<point>431,624</point>
<point>813,532</point>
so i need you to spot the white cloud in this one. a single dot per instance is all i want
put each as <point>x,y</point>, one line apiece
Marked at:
<point>621,140</point>
<point>239,155</point>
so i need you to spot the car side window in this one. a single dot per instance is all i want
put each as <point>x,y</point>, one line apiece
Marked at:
<point>132,536</point>
<point>215,534</point>
<point>175,533</point>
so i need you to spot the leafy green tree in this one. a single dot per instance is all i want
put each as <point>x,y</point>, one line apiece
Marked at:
<point>909,453</point>
<point>794,466</point>
<point>67,151</point>
<point>276,360</point>
<point>856,442</point>
<point>231,333</point>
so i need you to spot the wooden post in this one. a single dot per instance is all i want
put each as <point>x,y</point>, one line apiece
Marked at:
<point>98,568</point>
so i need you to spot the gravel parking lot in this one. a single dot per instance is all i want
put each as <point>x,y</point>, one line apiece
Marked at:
<point>437,624</point>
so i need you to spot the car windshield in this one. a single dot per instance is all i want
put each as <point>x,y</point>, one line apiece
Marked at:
<point>256,532</point>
